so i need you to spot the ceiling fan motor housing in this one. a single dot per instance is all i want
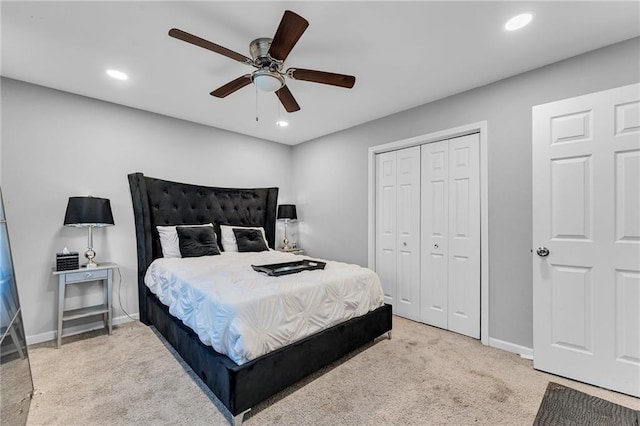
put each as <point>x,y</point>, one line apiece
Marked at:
<point>259,49</point>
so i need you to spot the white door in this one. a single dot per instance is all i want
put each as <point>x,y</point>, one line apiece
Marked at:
<point>398,229</point>
<point>586,214</point>
<point>386,237</point>
<point>408,230</point>
<point>435,233</point>
<point>464,235</point>
<point>451,235</point>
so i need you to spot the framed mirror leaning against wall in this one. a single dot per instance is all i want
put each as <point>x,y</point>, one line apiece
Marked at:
<point>16,385</point>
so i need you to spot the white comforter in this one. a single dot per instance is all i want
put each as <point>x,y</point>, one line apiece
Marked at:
<point>245,314</point>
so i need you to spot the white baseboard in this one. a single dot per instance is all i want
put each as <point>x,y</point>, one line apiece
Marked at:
<point>123,319</point>
<point>523,351</point>
<point>78,329</point>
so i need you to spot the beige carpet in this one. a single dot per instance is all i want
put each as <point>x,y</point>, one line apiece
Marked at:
<point>422,376</point>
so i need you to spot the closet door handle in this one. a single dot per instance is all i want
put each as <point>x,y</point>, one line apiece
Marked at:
<point>404,243</point>
<point>436,246</point>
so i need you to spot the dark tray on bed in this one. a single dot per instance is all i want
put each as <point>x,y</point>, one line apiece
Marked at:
<point>277,269</point>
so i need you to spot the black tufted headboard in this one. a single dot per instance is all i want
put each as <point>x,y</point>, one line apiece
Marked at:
<point>161,202</point>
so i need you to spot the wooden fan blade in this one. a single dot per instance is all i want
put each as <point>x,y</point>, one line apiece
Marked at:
<point>190,38</point>
<point>330,78</point>
<point>288,101</point>
<point>232,86</point>
<point>291,28</point>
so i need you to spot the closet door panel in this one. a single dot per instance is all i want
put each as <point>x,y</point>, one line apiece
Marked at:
<point>408,232</point>
<point>386,224</point>
<point>435,233</point>
<point>464,236</point>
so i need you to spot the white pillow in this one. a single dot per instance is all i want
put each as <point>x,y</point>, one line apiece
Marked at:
<point>228,238</point>
<point>169,239</point>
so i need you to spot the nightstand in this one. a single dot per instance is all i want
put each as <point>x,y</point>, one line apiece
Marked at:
<point>292,250</point>
<point>104,273</point>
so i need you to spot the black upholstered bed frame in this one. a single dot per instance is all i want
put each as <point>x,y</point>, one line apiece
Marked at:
<point>239,387</point>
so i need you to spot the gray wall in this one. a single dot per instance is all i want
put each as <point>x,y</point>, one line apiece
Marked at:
<point>56,145</point>
<point>330,173</point>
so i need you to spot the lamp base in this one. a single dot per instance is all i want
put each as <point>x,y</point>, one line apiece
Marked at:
<point>90,254</point>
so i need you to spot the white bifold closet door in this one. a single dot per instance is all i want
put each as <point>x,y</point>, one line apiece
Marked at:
<point>398,229</point>
<point>450,239</point>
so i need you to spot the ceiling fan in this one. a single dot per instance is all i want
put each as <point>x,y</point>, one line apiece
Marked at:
<point>268,56</point>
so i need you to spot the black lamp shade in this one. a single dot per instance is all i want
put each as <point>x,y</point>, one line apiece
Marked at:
<point>287,211</point>
<point>88,211</point>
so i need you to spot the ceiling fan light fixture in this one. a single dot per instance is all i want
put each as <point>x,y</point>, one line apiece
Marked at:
<point>267,81</point>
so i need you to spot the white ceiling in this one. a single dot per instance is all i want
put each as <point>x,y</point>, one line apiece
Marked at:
<point>403,54</point>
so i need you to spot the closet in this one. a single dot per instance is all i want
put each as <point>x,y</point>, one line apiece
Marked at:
<point>427,236</point>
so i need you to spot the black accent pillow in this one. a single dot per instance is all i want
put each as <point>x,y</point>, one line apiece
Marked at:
<point>249,240</point>
<point>197,241</point>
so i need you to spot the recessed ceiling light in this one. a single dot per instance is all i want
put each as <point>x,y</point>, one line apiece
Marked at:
<point>118,75</point>
<point>282,123</point>
<point>518,22</point>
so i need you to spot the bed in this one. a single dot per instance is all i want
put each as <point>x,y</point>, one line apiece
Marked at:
<point>239,387</point>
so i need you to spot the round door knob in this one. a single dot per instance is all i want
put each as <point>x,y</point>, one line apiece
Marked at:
<point>542,251</point>
<point>404,243</point>
<point>436,246</point>
<point>87,275</point>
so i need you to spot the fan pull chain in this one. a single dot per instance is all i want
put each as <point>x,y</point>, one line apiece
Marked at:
<point>279,110</point>
<point>256,103</point>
